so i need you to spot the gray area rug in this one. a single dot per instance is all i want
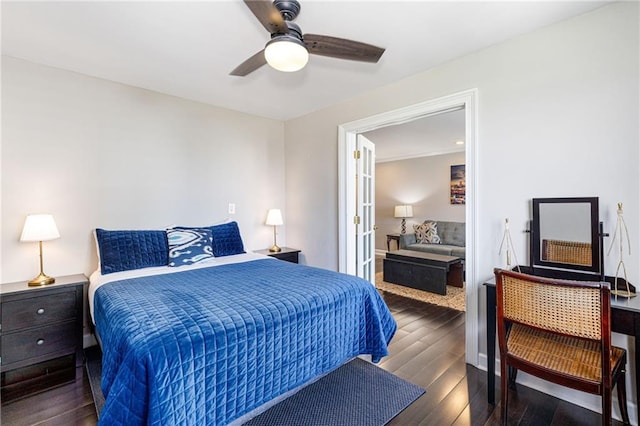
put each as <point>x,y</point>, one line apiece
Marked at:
<point>356,394</point>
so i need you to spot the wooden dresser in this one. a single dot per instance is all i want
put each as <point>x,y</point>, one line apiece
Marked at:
<point>40,335</point>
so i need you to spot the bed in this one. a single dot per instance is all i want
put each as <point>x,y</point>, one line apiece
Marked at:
<point>211,341</point>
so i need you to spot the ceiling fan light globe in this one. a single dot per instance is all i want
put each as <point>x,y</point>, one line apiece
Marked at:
<point>286,54</point>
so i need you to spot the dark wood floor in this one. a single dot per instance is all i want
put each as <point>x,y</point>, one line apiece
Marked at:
<point>428,350</point>
<point>70,404</point>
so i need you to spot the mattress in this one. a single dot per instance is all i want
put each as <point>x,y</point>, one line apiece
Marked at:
<point>209,344</point>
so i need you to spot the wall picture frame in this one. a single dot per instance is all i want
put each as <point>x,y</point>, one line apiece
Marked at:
<point>458,184</point>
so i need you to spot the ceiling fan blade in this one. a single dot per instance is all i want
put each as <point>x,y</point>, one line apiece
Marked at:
<point>342,48</point>
<point>268,15</point>
<point>250,65</point>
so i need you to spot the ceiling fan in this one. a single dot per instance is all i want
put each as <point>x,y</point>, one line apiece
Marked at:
<point>289,49</point>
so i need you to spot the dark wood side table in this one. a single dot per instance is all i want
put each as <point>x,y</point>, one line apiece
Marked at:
<point>625,319</point>
<point>286,254</point>
<point>395,237</point>
<point>40,335</point>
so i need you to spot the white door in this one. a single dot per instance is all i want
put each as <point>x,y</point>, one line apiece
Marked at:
<point>365,209</point>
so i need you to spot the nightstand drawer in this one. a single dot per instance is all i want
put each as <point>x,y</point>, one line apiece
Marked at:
<point>288,257</point>
<point>38,342</point>
<point>36,311</point>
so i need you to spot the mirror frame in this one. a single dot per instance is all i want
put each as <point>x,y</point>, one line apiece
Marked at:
<point>536,255</point>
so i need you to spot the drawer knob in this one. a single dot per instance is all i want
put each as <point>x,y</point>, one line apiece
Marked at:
<point>40,311</point>
<point>40,342</point>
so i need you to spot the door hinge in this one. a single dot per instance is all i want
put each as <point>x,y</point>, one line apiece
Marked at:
<point>356,154</point>
<point>356,220</point>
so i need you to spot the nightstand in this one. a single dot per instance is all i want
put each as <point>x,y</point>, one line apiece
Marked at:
<point>287,254</point>
<point>40,335</point>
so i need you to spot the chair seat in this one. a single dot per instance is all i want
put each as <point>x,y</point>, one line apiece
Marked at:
<point>568,355</point>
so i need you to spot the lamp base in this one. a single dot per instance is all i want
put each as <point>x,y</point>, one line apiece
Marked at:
<point>41,279</point>
<point>275,249</point>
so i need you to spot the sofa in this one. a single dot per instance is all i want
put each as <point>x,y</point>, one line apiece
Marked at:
<point>451,235</point>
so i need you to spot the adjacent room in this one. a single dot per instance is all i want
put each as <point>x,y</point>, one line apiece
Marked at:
<point>419,181</point>
<point>310,212</point>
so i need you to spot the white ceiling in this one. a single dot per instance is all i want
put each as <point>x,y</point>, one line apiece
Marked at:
<point>187,49</point>
<point>433,135</point>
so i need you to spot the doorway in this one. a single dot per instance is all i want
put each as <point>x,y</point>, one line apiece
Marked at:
<point>414,166</point>
<point>347,142</point>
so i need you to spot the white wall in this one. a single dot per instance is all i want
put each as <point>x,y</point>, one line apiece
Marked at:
<point>557,116</point>
<point>101,154</point>
<point>422,182</point>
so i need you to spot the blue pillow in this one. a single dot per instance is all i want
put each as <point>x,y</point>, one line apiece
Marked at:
<point>127,250</point>
<point>227,240</point>
<point>189,245</point>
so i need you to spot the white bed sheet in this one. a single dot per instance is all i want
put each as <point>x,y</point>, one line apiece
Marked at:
<point>97,279</point>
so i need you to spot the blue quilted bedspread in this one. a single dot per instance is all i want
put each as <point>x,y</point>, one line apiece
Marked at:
<point>205,346</point>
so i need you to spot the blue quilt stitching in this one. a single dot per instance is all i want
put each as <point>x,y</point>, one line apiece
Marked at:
<point>206,346</point>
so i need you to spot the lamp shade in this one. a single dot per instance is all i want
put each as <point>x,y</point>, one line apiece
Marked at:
<point>39,227</point>
<point>403,211</point>
<point>286,53</point>
<point>274,217</point>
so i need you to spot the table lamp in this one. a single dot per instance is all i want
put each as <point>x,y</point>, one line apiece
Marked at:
<point>40,227</point>
<point>403,212</point>
<point>274,218</point>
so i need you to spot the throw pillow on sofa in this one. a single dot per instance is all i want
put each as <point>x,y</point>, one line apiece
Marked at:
<point>427,233</point>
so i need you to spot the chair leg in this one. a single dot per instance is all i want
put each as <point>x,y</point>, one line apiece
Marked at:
<point>513,374</point>
<point>504,390</point>
<point>606,407</point>
<point>622,398</point>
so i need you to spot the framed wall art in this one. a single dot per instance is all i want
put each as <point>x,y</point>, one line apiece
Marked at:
<point>458,184</point>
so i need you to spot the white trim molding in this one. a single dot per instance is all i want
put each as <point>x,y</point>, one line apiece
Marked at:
<point>347,133</point>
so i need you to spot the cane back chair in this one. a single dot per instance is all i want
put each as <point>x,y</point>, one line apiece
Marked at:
<point>559,331</point>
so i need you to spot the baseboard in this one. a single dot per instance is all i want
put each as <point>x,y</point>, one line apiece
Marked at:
<point>381,253</point>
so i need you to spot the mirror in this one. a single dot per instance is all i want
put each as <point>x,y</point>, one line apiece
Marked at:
<point>565,233</point>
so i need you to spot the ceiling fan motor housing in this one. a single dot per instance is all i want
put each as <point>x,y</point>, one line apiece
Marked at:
<point>294,31</point>
<point>288,8</point>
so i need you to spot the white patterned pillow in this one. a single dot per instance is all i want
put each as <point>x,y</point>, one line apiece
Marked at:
<point>189,245</point>
<point>427,233</point>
